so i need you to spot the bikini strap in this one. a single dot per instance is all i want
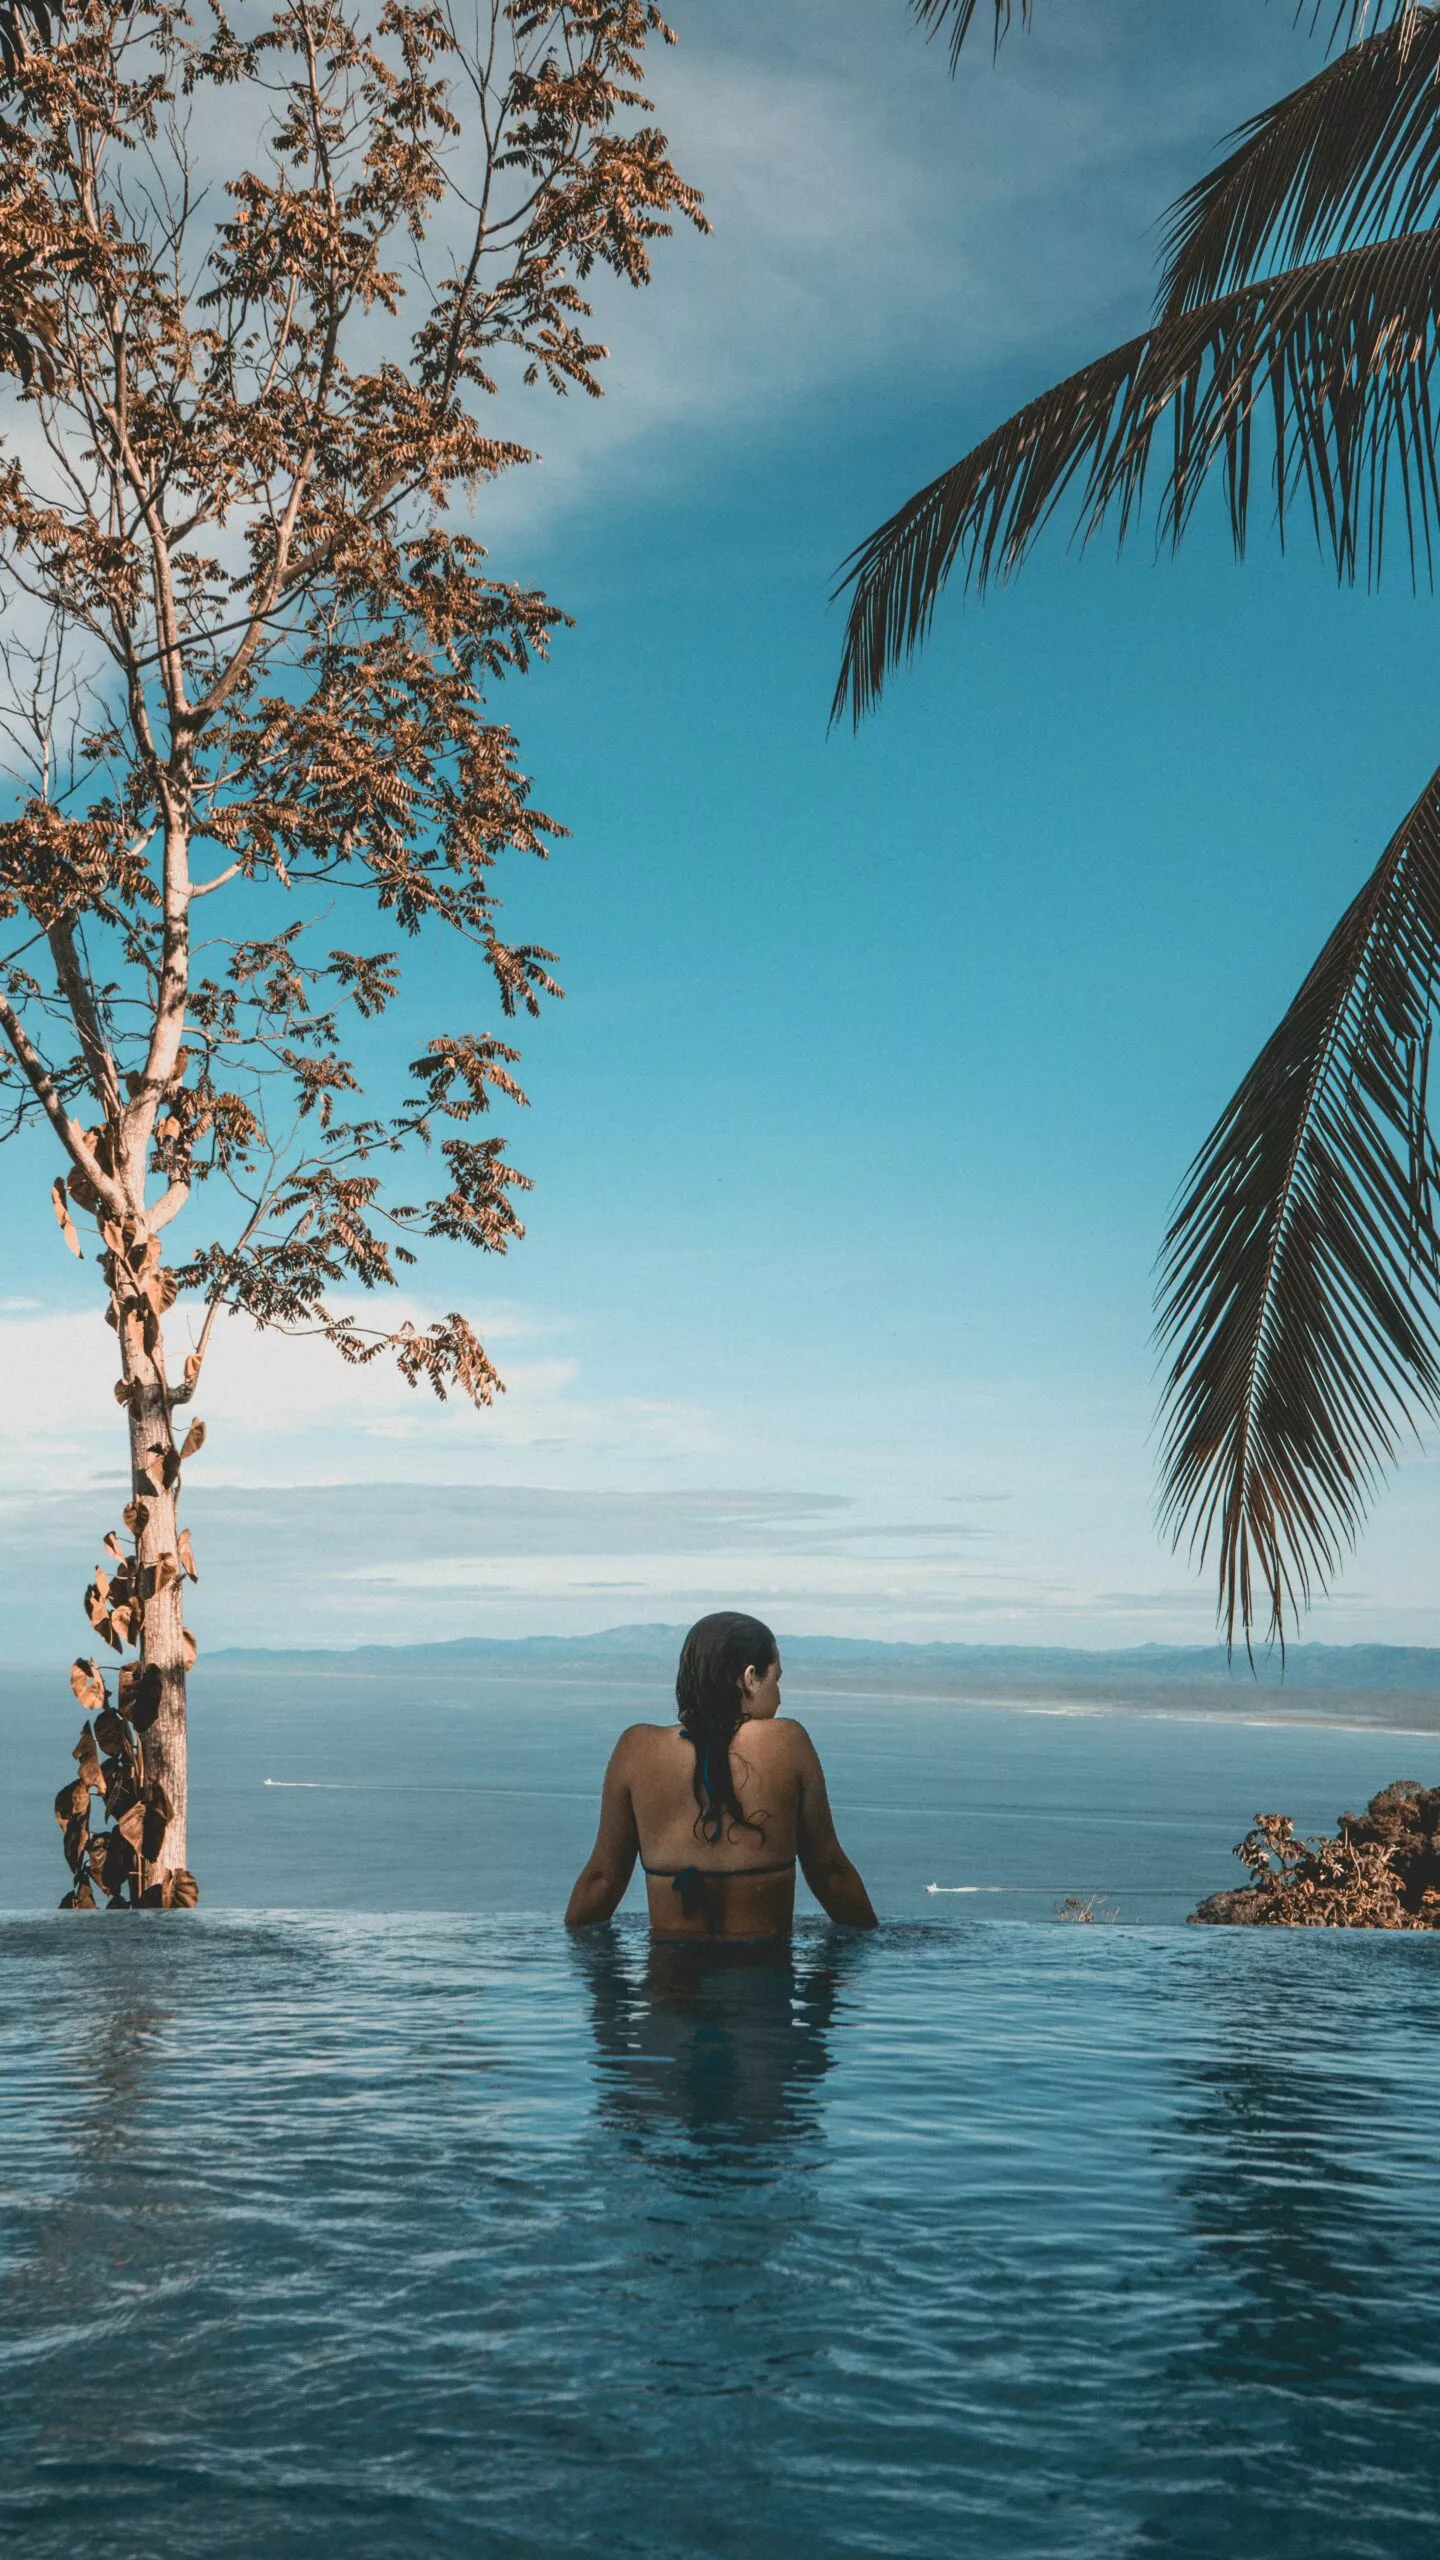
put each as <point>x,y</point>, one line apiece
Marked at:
<point>693,1884</point>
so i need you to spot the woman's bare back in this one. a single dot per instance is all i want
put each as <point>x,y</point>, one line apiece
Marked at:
<point>741,1884</point>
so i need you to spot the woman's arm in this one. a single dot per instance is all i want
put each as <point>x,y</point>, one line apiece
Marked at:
<point>835,1884</point>
<point>601,1882</point>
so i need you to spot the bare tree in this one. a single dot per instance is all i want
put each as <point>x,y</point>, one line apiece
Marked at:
<point>265,271</point>
<point>1293,355</point>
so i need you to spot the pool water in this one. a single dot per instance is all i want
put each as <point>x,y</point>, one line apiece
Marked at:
<point>360,2238</point>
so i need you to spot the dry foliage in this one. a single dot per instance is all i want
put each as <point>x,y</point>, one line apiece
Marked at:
<point>122,1864</point>
<point>1380,1871</point>
<point>262,271</point>
<point>1291,358</point>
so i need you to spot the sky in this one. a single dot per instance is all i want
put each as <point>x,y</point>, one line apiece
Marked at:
<point>880,1057</point>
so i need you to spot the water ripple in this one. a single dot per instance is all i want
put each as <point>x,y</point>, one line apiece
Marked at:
<point>451,2236</point>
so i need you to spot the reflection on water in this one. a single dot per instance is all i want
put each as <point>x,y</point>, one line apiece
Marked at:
<point>421,2239</point>
<point>726,2047</point>
<point>1304,2387</point>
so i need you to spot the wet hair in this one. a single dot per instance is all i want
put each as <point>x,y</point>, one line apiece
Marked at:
<point>714,1659</point>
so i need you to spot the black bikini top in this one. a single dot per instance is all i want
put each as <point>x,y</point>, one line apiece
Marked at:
<point>691,1882</point>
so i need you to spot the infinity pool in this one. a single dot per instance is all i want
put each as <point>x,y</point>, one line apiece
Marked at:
<point>358,2239</point>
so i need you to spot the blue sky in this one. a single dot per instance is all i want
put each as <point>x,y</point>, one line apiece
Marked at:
<point>880,1058</point>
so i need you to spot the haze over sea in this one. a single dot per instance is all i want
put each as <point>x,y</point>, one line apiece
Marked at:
<point>365,2214</point>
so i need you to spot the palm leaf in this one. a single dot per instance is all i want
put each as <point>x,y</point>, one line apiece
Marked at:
<point>1300,1289</point>
<point>959,16</point>
<point>1329,365</point>
<point>1355,151</point>
<point>1348,18</point>
<point>1353,19</point>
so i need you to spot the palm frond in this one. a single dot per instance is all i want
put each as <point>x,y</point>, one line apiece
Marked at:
<point>1354,152</point>
<point>1330,363</point>
<point>959,17</point>
<point>1300,1280</point>
<point>1349,19</point>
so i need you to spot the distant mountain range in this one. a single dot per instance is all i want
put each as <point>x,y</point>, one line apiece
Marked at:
<point>1326,1677</point>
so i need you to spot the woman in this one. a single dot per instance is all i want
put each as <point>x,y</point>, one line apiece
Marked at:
<point>719,1807</point>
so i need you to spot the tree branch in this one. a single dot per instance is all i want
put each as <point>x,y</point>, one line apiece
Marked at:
<point>203,888</point>
<point>43,1083</point>
<point>167,1207</point>
<point>80,996</point>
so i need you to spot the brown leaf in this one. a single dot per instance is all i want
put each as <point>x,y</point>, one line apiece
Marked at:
<point>194,1439</point>
<point>170,1469</point>
<point>187,1555</point>
<point>110,1733</point>
<point>146,1484</point>
<point>111,1859</point>
<point>135,1517</point>
<point>61,1207</point>
<point>189,1649</point>
<point>131,1824</point>
<point>123,1792</point>
<point>88,1686</point>
<point>72,1801</point>
<point>182,1891</point>
<point>123,1391</point>
<point>114,1548</point>
<point>162,1289</point>
<point>81,1189</point>
<point>154,1825</point>
<point>143,1705</point>
<point>123,1625</point>
<point>76,1836</point>
<point>81,1899</point>
<point>166,1572</point>
<point>192,1368</point>
<point>88,1758</point>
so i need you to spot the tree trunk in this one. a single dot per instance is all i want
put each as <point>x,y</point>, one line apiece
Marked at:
<point>155,1489</point>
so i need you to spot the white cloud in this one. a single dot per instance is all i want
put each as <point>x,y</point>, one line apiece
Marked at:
<point>334,1505</point>
<point>874,221</point>
<point>281,1410</point>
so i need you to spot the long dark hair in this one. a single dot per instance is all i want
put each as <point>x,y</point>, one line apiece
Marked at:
<point>714,1659</point>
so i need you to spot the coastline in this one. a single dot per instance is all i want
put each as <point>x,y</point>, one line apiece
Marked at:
<point>1069,1693</point>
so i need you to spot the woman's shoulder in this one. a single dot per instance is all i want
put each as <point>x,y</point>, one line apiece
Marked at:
<point>641,1740</point>
<point>788,1735</point>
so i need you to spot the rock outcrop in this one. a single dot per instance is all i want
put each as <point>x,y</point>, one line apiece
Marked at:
<point>1381,1870</point>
